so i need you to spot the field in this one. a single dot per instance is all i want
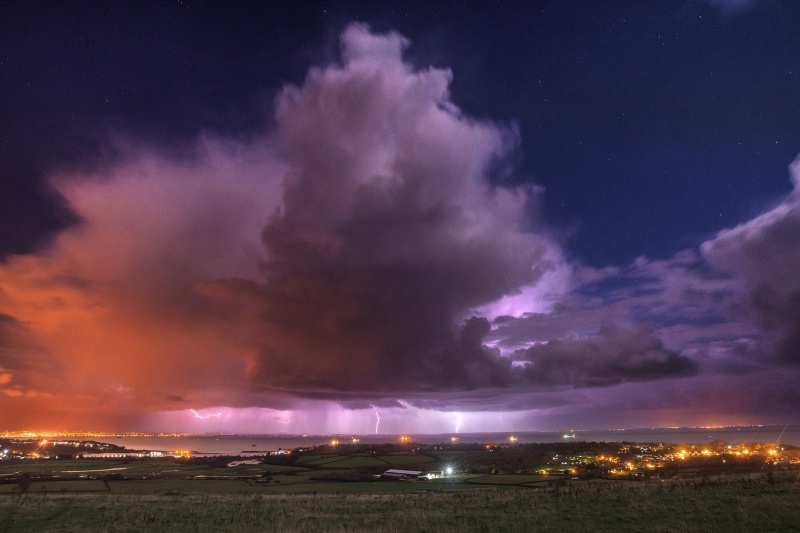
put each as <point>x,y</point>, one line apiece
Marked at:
<point>494,488</point>
<point>736,503</point>
<point>321,475</point>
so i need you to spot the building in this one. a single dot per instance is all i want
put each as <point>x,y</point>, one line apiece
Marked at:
<point>401,474</point>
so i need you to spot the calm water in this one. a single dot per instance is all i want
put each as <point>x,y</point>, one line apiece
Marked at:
<point>254,444</point>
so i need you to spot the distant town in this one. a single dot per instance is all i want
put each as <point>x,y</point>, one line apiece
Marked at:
<point>455,485</point>
<point>567,459</point>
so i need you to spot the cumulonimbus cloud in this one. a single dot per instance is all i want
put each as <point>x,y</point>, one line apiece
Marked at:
<point>388,234</point>
<point>341,256</point>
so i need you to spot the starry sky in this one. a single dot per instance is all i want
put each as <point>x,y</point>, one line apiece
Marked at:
<point>315,217</point>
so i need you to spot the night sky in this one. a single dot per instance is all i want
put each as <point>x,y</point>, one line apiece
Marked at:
<point>314,217</point>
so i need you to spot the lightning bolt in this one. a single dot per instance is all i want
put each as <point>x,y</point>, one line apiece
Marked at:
<point>377,419</point>
<point>205,416</point>
<point>458,421</point>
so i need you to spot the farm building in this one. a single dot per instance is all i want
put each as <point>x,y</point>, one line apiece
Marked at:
<point>401,474</point>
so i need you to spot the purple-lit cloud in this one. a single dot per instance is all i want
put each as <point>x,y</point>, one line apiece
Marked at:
<point>389,232</point>
<point>763,256</point>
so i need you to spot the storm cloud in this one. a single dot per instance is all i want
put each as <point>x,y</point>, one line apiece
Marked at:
<point>763,256</point>
<point>615,355</point>
<point>389,232</point>
<point>109,315</point>
<point>22,362</point>
<point>361,255</point>
<point>357,254</point>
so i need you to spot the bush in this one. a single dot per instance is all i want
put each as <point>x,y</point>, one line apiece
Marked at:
<point>25,481</point>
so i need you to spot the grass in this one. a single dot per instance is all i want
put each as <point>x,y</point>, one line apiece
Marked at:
<point>74,469</point>
<point>742,503</point>
<point>399,460</point>
<point>510,479</point>
<point>324,460</point>
<point>181,486</point>
<point>309,458</point>
<point>267,468</point>
<point>69,486</point>
<point>354,462</point>
<point>365,461</point>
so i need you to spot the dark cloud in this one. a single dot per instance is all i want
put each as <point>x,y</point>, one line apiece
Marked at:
<point>389,231</point>
<point>779,315</point>
<point>489,400</point>
<point>616,354</point>
<point>763,256</point>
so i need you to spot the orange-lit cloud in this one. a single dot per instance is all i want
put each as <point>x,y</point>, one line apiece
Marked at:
<point>108,317</point>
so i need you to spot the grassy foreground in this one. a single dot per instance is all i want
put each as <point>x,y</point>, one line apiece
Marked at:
<point>742,503</point>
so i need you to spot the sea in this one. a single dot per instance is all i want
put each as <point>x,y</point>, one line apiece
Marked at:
<point>226,444</point>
